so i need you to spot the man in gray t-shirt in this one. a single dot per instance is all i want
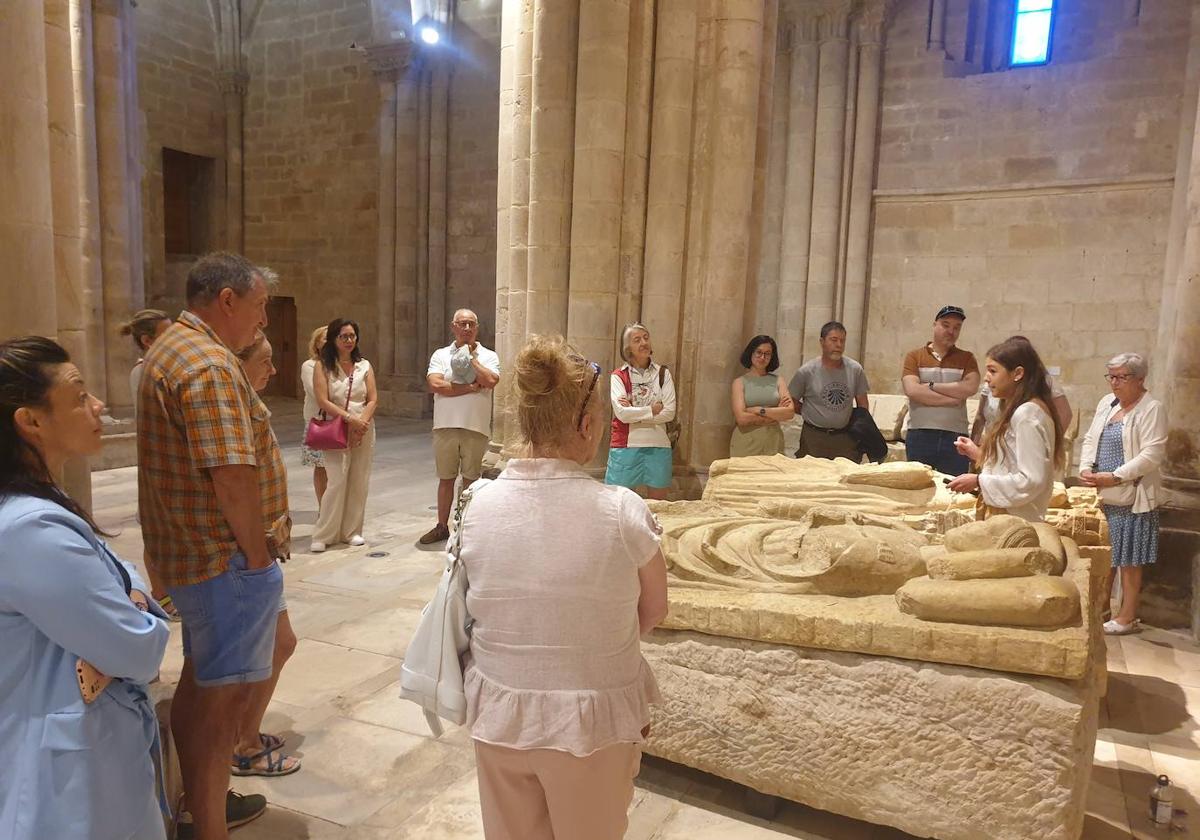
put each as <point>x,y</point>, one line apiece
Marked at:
<point>826,390</point>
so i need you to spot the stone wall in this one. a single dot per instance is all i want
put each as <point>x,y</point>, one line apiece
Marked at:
<point>181,108</point>
<point>311,159</point>
<point>1038,198</point>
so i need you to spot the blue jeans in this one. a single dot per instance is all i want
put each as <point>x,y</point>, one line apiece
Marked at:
<point>935,448</point>
<point>229,623</point>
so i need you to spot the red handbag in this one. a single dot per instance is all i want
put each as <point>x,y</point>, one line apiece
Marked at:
<point>330,434</point>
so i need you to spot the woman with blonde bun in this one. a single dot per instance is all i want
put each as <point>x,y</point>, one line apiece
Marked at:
<point>314,458</point>
<point>144,327</point>
<point>565,575</point>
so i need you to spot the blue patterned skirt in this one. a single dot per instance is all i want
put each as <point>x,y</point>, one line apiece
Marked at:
<point>1134,536</point>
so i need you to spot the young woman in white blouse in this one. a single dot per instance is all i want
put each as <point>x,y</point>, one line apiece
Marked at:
<point>1022,449</point>
<point>565,574</point>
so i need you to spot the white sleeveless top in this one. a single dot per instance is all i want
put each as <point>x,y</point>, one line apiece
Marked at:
<point>552,559</point>
<point>338,380</point>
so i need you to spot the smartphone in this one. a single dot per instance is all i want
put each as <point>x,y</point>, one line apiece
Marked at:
<point>91,682</point>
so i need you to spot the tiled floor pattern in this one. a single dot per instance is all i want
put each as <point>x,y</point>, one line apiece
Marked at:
<point>373,772</point>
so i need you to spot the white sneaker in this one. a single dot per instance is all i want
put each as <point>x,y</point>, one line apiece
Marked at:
<point>357,540</point>
<point>316,547</point>
<point>1112,627</point>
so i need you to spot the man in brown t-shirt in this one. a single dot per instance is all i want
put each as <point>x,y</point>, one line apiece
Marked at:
<point>938,380</point>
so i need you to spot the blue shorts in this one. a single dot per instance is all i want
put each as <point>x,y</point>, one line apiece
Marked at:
<point>644,465</point>
<point>229,623</point>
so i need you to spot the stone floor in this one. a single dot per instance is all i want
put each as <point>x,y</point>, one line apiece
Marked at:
<point>373,772</point>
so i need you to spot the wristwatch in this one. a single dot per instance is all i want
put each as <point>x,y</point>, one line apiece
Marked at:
<point>762,412</point>
<point>931,388</point>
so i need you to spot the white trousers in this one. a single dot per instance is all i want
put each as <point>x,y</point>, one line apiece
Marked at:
<point>345,501</point>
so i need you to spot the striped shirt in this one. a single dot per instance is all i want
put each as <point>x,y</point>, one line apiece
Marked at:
<point>197,411</point>
<point>928,366</point>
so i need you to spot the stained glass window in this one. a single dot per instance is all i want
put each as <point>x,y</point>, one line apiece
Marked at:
<point>1033,23</point>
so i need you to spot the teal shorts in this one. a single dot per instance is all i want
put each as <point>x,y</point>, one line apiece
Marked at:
<point>644,465</point>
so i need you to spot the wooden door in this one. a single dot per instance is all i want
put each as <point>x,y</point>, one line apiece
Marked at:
<point>281,332</point>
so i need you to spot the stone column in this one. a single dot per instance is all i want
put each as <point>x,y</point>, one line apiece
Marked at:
<point>437,313</point>
<point>508,26</point>
<point>862,179</point>
<point>728,181</point>
<point>422,94</point>
<point>64,184</point>
<point>599,164</point>
<point>640,88</point>
<point>798,186</point>
<point>91,274</point>
<point>823,251</point>
<point>1180,385</point>
<point>766,317</point>
<point>1177,231</point>
<point>762,148</point>
<point>118,182</point>
<point>387,73</point>
<point>520,12</point>
<point>551,163</point>
<point>26,208</point>
<point>233,84</point>
<point>670,166</point>
<point>937,26</point>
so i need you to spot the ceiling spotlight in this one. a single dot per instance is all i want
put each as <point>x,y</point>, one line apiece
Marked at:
<point>430,35</point>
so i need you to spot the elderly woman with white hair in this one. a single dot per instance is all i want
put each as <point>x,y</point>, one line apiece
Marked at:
<point>1121,456</point>
<point>643,402</point>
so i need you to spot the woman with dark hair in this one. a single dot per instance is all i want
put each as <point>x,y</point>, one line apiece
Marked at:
<point>1024,446</point>
<point>760,402</point>
<point>81,640</point>
<point>344,385</point>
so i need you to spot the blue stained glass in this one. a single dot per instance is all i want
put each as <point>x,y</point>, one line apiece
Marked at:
<point>1031,37</point>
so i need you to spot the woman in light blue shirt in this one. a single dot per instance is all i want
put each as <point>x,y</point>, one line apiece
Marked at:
<point>70,768</point>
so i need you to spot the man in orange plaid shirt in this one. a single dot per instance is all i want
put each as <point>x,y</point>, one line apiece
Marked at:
<point>211,491</point>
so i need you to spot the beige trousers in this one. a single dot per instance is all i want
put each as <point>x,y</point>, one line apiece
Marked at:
<point>553,795</point>
<point>345,501</point>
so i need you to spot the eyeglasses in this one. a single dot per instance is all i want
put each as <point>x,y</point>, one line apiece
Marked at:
<point>762,354</point>
<point>347,337</point>
<point>1118,378</point>
<point>466,325</point>
<point>588,397</point>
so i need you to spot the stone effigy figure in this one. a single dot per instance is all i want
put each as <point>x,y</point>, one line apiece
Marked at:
<point>993,572</point>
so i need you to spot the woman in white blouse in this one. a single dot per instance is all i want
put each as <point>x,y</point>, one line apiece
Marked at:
<point>565,574</point>
<point>314,458</point>
<point>1022,449</point>
<point>1122,453</point>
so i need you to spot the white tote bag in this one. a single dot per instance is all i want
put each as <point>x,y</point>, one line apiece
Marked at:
<point>432,674</point>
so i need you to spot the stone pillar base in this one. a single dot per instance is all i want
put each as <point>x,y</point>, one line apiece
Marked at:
<point>1169,587</point>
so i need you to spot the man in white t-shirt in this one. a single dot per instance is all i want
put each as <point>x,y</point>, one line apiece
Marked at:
<point>461,376</point>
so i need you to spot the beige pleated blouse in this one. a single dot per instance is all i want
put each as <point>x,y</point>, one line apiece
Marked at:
<point>552,559</point>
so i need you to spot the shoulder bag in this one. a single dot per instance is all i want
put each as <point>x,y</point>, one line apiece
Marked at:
<point>673,427</point>
<point>432,675</point>
<point>327,434</point>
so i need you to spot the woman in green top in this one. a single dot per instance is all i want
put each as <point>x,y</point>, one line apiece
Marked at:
<point>760,402</point>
